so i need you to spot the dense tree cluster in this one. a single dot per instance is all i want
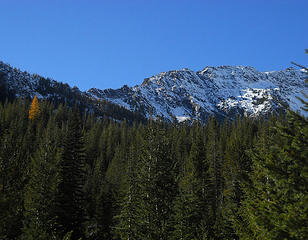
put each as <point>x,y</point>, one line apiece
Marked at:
<point>69,174</point>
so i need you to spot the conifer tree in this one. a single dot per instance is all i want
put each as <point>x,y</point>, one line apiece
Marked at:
<point>98,203</point>
<point>97,194</point>
<point>34,111</point>
<point>190,206</point>
<point>128,224</point>
<point>236,167</point>
<point>40,196</point>
<point>71,193</point>
<point>157,187</point>
<point>14,159</point>
<point>214,158</point>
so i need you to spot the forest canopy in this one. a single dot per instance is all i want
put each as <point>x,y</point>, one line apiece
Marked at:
<point>67,174</point>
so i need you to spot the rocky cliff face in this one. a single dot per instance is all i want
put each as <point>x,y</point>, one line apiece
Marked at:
<point>223,91</point>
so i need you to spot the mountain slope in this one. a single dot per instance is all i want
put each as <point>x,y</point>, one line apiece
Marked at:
<point>224,90</point>
<point>15,83</point>
<point>184,94</point>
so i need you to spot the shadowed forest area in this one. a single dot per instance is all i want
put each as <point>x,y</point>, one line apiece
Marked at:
<point>66,174</point>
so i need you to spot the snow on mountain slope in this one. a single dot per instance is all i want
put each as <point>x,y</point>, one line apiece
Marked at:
<point>23,84</point>
<point>182,94</point>
<point>224,90</point>
<point>15,83</point>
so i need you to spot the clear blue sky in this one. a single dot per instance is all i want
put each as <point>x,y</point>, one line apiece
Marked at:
<point>107,44</point>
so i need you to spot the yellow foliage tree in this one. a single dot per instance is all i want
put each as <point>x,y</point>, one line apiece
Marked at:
<point>34,111</point>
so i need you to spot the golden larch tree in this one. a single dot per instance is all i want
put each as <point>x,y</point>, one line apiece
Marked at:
<point>34,111</point>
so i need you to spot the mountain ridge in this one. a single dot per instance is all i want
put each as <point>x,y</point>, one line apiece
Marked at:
<point>224,91</point>
<point>16,83</point>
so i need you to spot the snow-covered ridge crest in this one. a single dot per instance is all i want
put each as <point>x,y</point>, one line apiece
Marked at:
<point>224,90</point>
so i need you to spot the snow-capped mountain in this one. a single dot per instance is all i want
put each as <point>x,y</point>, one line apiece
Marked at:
<point>224,90</point>
<point>184,94</point>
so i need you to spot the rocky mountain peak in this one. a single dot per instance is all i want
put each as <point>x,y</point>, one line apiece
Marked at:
<point>223,90</point>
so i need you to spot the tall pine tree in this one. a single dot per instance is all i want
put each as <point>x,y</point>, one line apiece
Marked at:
<point>190,206</point>
<point>71,215</point>
<point>41,190</point>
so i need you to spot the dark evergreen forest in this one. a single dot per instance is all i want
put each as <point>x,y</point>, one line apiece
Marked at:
<point>68,174</point>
